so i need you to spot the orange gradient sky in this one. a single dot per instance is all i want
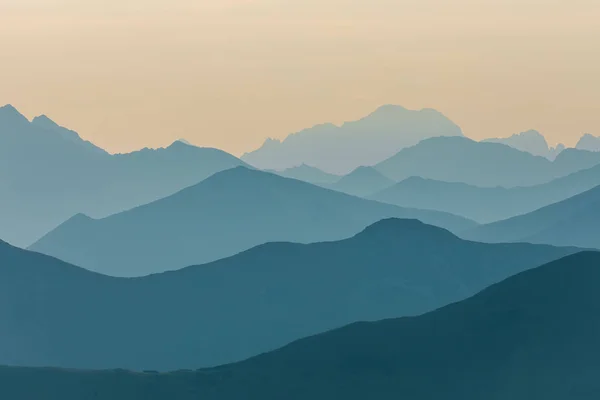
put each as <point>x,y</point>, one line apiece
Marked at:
<point>229,73</point>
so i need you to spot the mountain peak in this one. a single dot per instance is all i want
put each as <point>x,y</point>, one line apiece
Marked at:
<point>44,121</point>
<point>404,229</point>
<point>10,115</point>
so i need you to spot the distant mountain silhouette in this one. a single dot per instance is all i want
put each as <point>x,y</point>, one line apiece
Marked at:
<point>535,335</point>
<point>532,142</point>
<point>458,159</point>
<point>48,174</point>
<point>589,142</point>
<point>55,314</point>
<point>363,181</point>
<point>309,174</point>
<point>231,211</point>
<point>341,149</point>
<point>575,221</point>
<point>46,123</point>
<point>486,205</point>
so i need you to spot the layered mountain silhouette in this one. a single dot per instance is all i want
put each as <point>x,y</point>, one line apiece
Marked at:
<point>229,212</point>
<point>341,149</point>
<point>458,159</point>
<point>535,335</point>
<point>532,142</point>
<point>309,174</point>
<point>363,181</point>
<point>575,221</point>
<point>589,142</point>
<point>486,205</point>
<point>48,174</point>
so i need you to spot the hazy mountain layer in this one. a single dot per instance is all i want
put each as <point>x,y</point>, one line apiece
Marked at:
<point>48,174</point>
<point>458,159</point>
<point>486,205</point>
<point>575,221</point>
<point>231,211</point>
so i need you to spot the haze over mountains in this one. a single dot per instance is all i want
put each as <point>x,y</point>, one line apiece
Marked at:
<point>458,159</point>
<point>231,211</point>
<point>486,205</point>
<point>363,181</point>
<point>48,174</point>
<point>308,174</point>
<point>60,315</point>
<point>575,221</point>
<point>535,335</point>
<point>341,149</point>
<point>532,142</point>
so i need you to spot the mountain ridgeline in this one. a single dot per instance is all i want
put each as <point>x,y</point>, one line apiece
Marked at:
<point>486,205</point>
<point>341,149</point>
<point>535,335</point>
<point>59,315</point>
<point>48,174</point>
<point>458,159</point>
<point>229,212</point>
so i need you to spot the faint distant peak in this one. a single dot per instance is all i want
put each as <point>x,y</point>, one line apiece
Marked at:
<point>589,142</point>
<point>184,141</point>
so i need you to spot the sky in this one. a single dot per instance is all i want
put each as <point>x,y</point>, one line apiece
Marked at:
<point>128,74</point>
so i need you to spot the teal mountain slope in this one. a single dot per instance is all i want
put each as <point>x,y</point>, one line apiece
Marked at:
<point>535,335</point>
<point>574,221</point>
<point>59,315</point>
<point>231,211</point>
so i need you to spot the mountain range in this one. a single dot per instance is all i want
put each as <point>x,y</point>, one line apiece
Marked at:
<point>341,149</point>
<point>48,174</point>
<point>458,159</point>
<point>56,314</point>
<point>229,212</point>
<point>535,335</point>
<point>571,222</point>
<point>532,142</point>
<point>486,205</point>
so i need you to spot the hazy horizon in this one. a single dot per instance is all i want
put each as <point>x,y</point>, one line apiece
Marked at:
<point>231,73</point>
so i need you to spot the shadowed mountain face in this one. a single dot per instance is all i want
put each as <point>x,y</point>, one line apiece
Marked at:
<point>308,174</point>
<point>533,336</point>
<point>457,159</point>
<point>231,211</point>
<point>48,174</point>
<point>532,142</point>
<point>575,221</point>
<point>486,205</point>
<point>589,142</point>
<point>244,305</point>
<point>362,182</point>
<point>341,149</point>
